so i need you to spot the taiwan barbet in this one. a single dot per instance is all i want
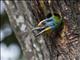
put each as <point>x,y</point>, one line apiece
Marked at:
<point>51,23</point>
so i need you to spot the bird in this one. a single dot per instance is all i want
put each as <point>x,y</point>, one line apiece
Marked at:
<point>50,23</point>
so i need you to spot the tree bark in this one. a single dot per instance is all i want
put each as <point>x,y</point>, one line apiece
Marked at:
<point>61,45</point>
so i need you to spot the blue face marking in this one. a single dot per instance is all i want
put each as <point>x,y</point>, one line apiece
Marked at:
<point>52,27</point>
<point>50,22</point>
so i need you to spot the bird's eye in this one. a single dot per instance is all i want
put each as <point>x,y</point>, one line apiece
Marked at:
<point>49,15</point>
<point>57,15</point>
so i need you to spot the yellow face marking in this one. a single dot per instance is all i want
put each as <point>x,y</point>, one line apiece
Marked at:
<point>48,28</point>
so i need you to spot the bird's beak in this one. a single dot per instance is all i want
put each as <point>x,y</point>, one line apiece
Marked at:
<point>40,23</point>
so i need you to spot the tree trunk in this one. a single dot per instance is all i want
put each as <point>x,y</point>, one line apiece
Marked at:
<point>61,45</point>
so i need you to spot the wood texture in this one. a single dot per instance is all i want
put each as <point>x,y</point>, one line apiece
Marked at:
<point>61,45</point>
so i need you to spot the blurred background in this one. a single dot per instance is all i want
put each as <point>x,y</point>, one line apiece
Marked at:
<point>9,45</point>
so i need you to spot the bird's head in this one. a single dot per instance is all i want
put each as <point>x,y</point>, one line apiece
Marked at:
<point>57,17</point>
